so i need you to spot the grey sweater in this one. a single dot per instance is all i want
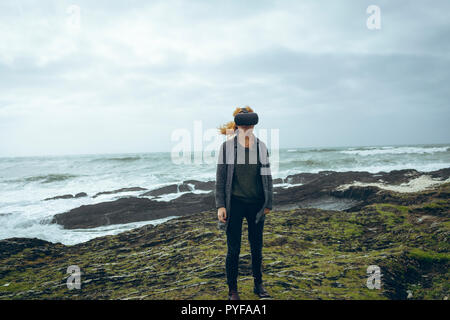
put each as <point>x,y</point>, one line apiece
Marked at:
<point>227,158</point>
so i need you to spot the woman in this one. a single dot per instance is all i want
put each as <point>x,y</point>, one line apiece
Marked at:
<point>243,190</point>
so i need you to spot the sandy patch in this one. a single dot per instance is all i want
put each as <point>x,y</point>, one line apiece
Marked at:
<point>414,185</point>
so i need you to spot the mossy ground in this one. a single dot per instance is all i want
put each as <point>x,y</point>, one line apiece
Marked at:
<point>307,254</point>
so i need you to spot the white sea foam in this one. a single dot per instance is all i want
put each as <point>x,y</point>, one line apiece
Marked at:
<point>174,195</point>
<point>370,151</point>
<point>287,185</point>
<point>414,185</point>
<point>27,227</point>
<point>25,182</point>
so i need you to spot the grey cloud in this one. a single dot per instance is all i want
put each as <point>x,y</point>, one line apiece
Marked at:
<point>316,73</point>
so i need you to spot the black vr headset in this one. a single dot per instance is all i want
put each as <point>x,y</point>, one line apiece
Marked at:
<point>246,118</point>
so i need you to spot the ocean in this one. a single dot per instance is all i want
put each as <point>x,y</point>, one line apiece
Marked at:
<point>26,181</point>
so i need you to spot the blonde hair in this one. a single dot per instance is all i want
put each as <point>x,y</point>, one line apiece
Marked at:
<point>231,125</point>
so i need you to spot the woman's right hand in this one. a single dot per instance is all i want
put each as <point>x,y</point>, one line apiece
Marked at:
<point>222,214</point>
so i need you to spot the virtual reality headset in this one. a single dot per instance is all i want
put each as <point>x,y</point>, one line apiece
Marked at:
<point>245,118</point>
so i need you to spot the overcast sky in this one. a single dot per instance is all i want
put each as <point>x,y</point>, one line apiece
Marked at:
<point>134,71</point>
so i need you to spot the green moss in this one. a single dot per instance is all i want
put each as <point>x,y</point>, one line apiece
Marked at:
<point>307,254</point>
<point>429,256</point>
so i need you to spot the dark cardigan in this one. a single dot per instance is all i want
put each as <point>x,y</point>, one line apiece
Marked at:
<point>224,177</point>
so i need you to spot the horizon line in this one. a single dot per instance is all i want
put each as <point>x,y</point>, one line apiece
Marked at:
<point>282,148</point>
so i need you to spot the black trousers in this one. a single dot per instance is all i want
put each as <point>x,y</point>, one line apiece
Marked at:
<point>239,210</point>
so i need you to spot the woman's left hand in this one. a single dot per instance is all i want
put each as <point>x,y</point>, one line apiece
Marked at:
<point>266,210</point>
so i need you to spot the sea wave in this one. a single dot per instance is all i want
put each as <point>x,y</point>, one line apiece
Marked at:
<point>23,213</point>
<point>118,159</point>
<point>318,162</point>
<point>317,150</point>
<point>394,150</point>
<point>304,163</point>
<point>48,178</point>
<point>324,150</point>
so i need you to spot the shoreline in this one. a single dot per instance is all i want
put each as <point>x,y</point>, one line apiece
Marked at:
<point>308,253</point>
<point>327,190</point>
<point>332,190</point>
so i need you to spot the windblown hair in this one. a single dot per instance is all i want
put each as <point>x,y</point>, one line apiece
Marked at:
<point>231,125</point>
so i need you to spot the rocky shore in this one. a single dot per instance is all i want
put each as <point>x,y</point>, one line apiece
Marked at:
<point>324,190</point>
<point>310,251</point>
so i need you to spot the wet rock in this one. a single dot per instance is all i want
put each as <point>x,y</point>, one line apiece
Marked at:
<point>13,246</point>
<point>185,186</point>
<point>318,190</point>
<point>81,195</point>
<point>68,196</point>
<point>119,191</point>
<point>201,185</point>
<point>132,209</point>
<point>173,188</point>
<point>65,196</point>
